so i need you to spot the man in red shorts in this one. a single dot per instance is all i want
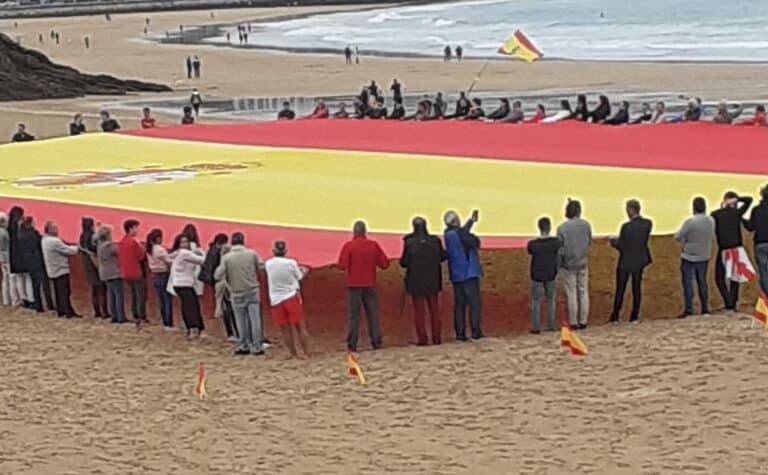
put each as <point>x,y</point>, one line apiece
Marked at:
<point>284,276</point>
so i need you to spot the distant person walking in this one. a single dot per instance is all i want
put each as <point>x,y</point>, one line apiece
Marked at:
<point>189,67</point>
<point>422,259</point>
<point>239,269</point>
<point>357,55</point>
<point>348,54</point>
<point>758,224</point>
<point>544,252</point>
<point>728,222</point>
<point>196,100</point>
<point>459,53</point>
<point>575,234</point>
<point>465,272</point>
<point>634,257</point>
<point>695,238</point>
<point>359,258</point>
<point>447,54</point>
<point>56,255</point>
<point>196,65</point>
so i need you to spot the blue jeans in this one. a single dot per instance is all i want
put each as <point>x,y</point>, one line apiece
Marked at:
<point>164,299</point>
<point>248,317</point>
<point>115,298</point>
<point>548,291</point>
<point>761,255</point>
<point>689,270</point>
<point>466,295</point>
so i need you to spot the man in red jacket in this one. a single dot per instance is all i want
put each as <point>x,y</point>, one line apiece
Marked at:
<point>133,269</point>
<point>359,258</point>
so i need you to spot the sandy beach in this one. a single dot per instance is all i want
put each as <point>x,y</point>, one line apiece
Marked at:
<point>662,397</point>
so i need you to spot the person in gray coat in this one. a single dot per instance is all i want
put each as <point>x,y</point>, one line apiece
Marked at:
<point>695,238</point>
<point>5,263</point>
<point>109,272</point>
<point>56,255</point>
<point>575,234</point>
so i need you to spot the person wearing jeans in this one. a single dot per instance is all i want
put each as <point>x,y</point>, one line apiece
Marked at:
<point>56,255</point>
<point>695,237</point>
<point>422,257</point>
<point>360,257</point>
<point>159,266</point>
<point>239,270</point>
<point>544,252</point>
<point>109,273</point>
<point>462,247</point>
<point>758,224</point>
<point>575,234</point>
<point>32,260</point>
<point>728,223</point>
<point>634,257</point>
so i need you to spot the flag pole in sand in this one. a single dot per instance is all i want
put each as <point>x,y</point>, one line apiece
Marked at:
<point>479,75</point>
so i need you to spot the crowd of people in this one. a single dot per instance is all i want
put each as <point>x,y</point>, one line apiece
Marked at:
<point>32,263</point>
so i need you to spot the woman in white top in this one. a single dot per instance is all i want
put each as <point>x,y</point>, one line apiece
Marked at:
<point>160,267</point>
<point>563,114</point>
<point>184,269</point>
<point>190,232</point>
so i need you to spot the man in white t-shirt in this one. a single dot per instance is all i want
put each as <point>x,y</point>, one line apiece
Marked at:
<point>284,276</point>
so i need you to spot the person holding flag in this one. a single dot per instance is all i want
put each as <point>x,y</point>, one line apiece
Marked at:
<point>728,222</point>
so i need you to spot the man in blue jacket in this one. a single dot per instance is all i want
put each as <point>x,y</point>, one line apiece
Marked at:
<point>464,268</point>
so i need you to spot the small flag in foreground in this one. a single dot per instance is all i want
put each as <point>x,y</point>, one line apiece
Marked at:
<point>761,310</point>
<point>200,386</point>
<point>738,267</point>
<point>354,369</point>
<point>571,341</point>
<point>519,46</point>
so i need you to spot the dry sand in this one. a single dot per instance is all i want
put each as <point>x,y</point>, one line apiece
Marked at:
<point>663,397</point>
<point>119,49</point>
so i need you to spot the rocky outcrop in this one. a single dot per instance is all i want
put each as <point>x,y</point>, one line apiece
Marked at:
<point>27,75</point>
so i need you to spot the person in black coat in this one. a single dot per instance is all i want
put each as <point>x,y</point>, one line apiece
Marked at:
<point>422,256</point>
<point>31,255</point>
<point>602,111</point>
<point>728,232</point>
<point>21,286</point>
<point>581,113</point>
<point>621,117</point>
<point>87,245</point>
<point>634,257</point>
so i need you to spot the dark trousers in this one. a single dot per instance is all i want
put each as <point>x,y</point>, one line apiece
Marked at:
<point>63,292</point>
<point>138,298</point>
<point>729,290</point>
<point>466,295</point>
<point>363,297</point>
<point>40,281</point>
<point>698,270</point>
<point>228,315</point>
<point>99,300</point>
<point>164,299</point>
<point>190,308</point>
<point>420,305</point>
<point>622,278</point>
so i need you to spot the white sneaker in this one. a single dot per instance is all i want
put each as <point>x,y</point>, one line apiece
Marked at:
<point>169,329</point>
<point>202,335</point>
<point>266,346</point>
<point>232,339</point>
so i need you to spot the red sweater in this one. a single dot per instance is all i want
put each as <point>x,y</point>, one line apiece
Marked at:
<point>132,257</point>
<point>360,257</point>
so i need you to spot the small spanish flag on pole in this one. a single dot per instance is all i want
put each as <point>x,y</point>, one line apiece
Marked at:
<point>519,46</point>
<point>354,369</point>
<point>761,310</point>
<point>200,386</point>
<point>570,340</point>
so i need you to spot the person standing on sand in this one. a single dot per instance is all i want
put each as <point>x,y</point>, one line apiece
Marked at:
<point>348,54</point>
<point>544,252</point>
<point>196,100</point>
<point>76,127</point>
<point>196,64</point>
<point>159,266</point>
<point>133,269</point>
<point>422,256</point>
<point>185,263</point>
<point>239,269</point>
<point>32,259</point>
<point>695,237</point>
<point>575,234</point>
<point>87,42</point>
<point>447,54</point>
<point>189,67</point>
<point>728,222</point>
<point>397,90</point>
<point>758,224</point>
<point>56,255</point>
<point>459,53</point>
<point>89,259</point>
<point>109,273</point>
<point>357,55</point>
<point>634,257</point>
<point>21,282</point>
<point>462,248</point>
<point>359,258</point>
<point>5,262</point>
<point>284,281</point>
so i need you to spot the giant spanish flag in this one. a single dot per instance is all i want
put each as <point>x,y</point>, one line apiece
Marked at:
<point>519,46</point>
<point>307,181</point>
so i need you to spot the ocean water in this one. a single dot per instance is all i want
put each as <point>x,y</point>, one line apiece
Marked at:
<point>656,30</point>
